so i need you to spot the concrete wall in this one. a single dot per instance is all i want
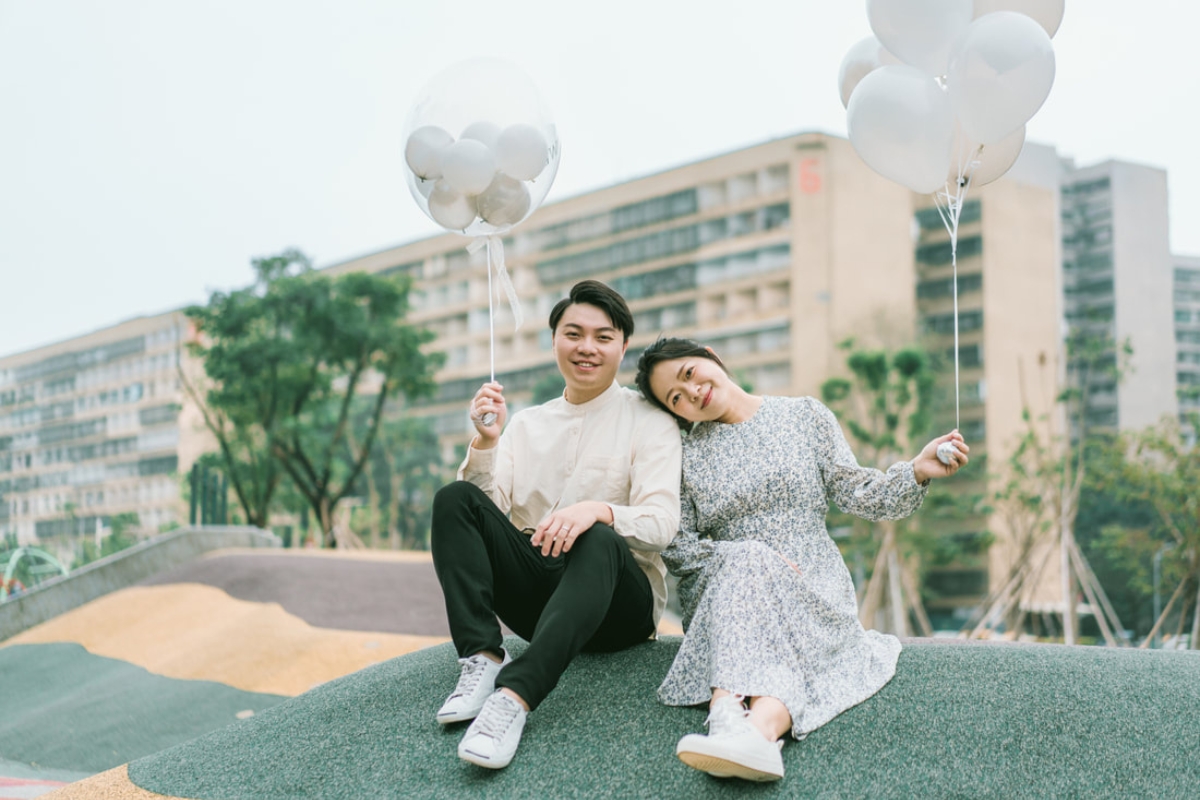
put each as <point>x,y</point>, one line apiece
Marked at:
<point>50,599</point>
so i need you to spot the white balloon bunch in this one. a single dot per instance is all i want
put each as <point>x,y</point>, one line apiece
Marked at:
<point>941,93</point>
<point>500,167</point>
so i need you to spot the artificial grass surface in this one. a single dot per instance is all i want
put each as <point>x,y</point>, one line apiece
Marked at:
<point>957,721</point>
<point>62,708</point>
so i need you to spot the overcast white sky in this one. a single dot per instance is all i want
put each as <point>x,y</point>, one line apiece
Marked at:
<point>150,148</point>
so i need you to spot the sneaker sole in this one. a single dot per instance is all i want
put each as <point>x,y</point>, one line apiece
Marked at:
<point>461,716</point>
<point>724,768</point>
<point>481,761</point>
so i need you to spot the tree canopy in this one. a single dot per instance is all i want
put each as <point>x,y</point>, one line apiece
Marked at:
<point>284,361</point>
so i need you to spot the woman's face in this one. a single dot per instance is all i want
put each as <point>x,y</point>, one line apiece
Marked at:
<point>693,387</point>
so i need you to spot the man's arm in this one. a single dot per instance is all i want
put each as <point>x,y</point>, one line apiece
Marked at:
<point>651,519</point>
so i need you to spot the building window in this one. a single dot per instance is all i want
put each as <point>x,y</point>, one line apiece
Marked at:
<point>944,323</point>
<point>944,287</point>
<point>937,254</point>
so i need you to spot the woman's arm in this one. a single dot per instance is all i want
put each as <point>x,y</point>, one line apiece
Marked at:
<point>863,491</point>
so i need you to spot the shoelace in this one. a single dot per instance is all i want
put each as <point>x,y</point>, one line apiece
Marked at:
<point>472,674</point>
<point>496,717</point>
<point>727,715</point>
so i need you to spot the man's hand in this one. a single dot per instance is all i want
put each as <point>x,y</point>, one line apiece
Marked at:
<point>558,531</point>
<point>488,400</point>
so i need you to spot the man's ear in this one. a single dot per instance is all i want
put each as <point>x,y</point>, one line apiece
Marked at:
<point>624,346</point>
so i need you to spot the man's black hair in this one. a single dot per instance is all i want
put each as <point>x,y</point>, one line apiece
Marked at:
<point>603,297</point>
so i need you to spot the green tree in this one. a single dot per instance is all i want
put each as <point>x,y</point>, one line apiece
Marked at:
<point>119,538</point>
<point>1040,494</point>
<point>885,406</point>
<point>285,360</point>
<point>1158,469</point>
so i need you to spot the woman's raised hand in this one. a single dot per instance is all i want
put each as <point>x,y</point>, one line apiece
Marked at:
<point>927,465</point>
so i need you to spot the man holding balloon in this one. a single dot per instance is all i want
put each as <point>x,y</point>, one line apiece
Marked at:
<point>555,526</point>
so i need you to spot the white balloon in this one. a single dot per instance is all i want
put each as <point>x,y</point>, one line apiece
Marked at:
<point>1047,13</point>
<point>866,56</point>
<point>522,152</point>
<point>920,32</point>
<point>468,166</point>
<point>424,149</point>
<point>505,202</point>
<point>900,123</point>
<point>480,98</point>
<point>1000,74</point>
<point>482,131</point>
<point>451,209</point>
<point>983,163</point>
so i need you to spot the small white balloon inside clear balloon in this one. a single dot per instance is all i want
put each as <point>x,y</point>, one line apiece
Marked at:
<point>480,148</point>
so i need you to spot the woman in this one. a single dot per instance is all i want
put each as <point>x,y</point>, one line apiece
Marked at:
<point>769,609</point>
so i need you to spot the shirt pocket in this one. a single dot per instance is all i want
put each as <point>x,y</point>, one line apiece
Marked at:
<point>603,478</point>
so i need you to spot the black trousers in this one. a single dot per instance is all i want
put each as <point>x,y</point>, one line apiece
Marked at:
<point>593,598</point>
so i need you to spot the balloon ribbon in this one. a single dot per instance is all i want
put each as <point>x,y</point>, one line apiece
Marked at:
<point>495,257</point>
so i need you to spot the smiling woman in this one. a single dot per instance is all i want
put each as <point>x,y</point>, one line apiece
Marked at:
<point>758,476</point>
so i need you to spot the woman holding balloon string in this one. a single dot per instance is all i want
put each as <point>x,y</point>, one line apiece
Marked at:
<point>769,607</point>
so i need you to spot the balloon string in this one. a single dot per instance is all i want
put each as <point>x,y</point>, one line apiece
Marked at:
<point>491,316</point>
<point>950,213</point>
<point>495,263</point>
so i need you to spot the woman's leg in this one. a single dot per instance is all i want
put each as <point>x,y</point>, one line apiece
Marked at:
<point>770,716</point>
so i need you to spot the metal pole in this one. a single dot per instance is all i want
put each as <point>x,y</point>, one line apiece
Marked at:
<point>195,481</point>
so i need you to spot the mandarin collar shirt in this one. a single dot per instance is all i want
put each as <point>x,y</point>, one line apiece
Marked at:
<point>616,448</point>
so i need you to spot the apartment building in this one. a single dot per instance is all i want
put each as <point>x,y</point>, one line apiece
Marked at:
<point>1118,281</point>
<point>1009,331</point>
<point>1187,332</point>
<point>772,254</point>
<point>91,427</point>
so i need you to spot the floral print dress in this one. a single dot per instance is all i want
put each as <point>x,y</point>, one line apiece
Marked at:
<point>754,494</point>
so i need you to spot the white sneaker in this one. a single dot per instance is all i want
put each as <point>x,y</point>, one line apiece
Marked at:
<point>492,739</point>
<point>733,748</point>
<point>475,683</point>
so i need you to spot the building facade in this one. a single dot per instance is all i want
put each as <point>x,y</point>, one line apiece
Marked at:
<point>1118,285</point>
<point>771,254</point>
<point>91,427</point>
<point>1187,332</point>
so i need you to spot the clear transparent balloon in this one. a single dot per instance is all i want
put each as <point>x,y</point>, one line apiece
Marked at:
<point>480,148</point>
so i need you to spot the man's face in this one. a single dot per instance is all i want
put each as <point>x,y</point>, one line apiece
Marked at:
<point>588,349</point>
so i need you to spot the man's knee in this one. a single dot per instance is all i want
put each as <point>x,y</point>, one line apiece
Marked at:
<point>454,495</point>
<point>599,541</point>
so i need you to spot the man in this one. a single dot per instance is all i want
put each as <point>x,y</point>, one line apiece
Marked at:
<point>555,527</point>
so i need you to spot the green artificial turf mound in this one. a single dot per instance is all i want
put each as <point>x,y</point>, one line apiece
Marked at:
<point>958,720</point>
<point>63,708</point>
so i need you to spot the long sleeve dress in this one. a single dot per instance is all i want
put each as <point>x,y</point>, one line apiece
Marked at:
<point>752,492</point>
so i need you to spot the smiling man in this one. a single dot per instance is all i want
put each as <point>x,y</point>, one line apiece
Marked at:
<point>555,526</point>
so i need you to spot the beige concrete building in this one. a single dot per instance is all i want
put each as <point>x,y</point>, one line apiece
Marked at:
<point>1009,322</point>
<point>91,427</point>
<point>773,254</point>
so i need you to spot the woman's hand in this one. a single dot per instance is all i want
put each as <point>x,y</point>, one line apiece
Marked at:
<point>927,465</point>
